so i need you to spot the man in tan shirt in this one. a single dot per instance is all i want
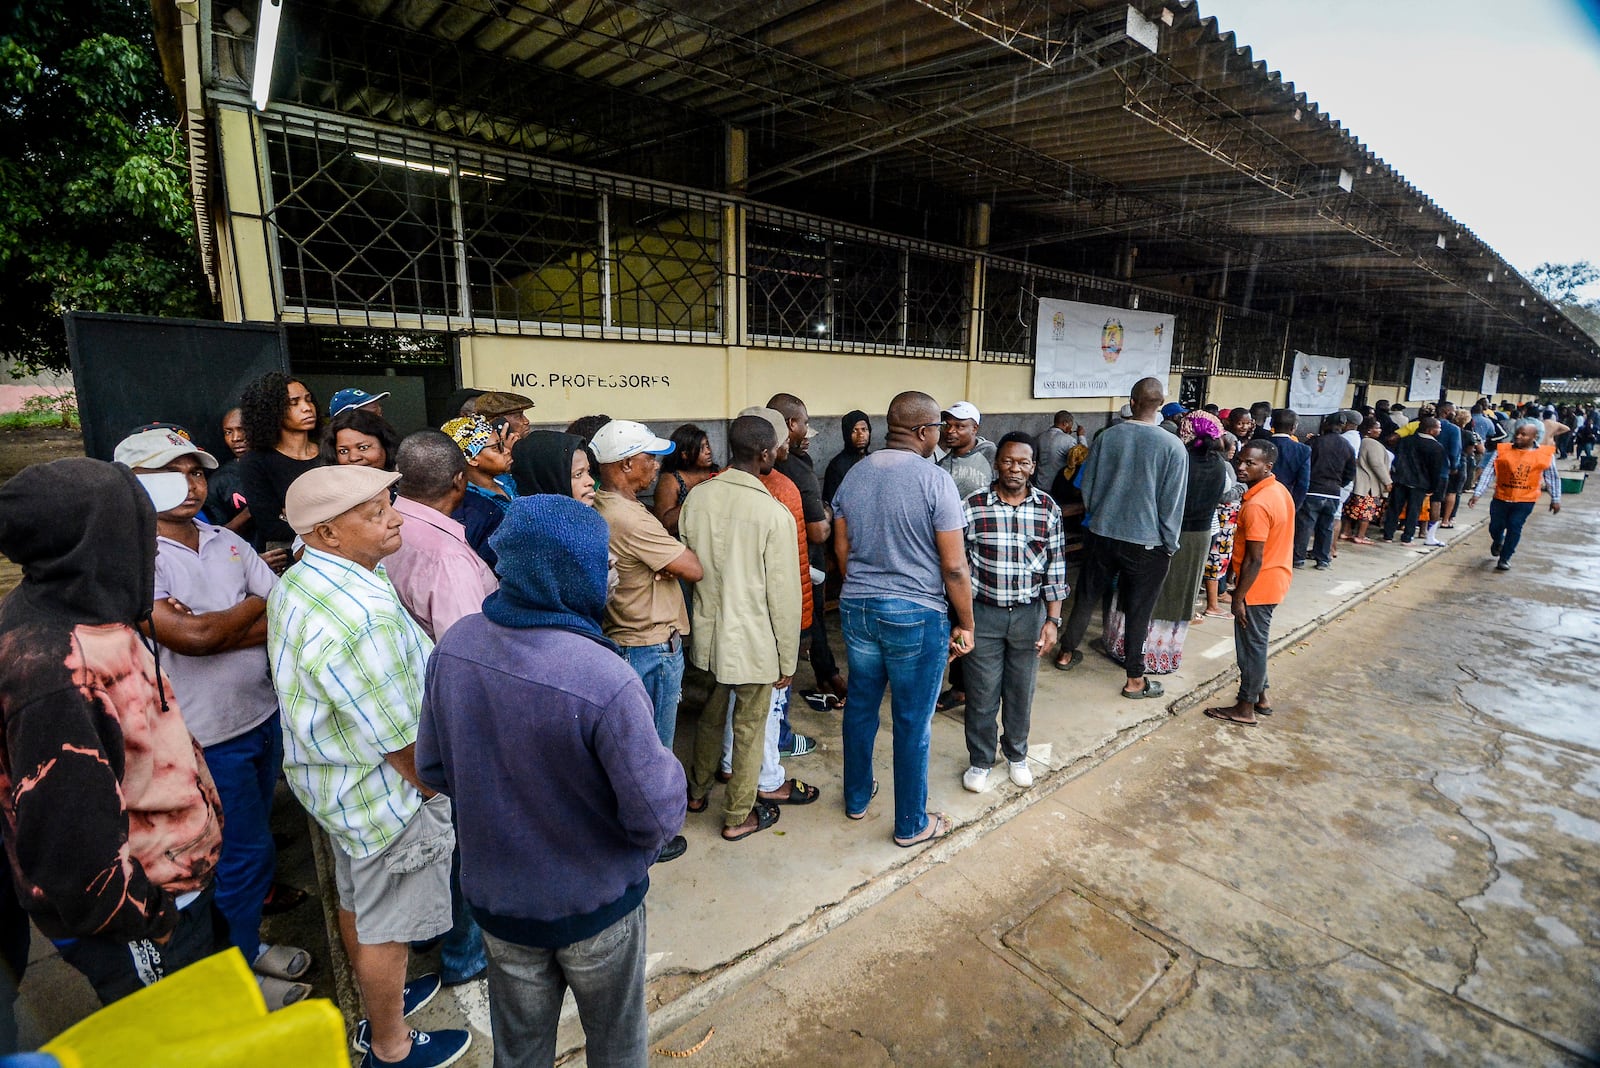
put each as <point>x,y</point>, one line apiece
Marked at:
<point>748,607</point>
<point>646,614</point>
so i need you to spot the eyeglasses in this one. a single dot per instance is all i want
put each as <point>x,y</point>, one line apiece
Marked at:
<point>920,427</point>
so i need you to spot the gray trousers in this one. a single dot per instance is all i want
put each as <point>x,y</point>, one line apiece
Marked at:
<point>1250,646</point>
<point>1001,671</point>
<point>606,974</point>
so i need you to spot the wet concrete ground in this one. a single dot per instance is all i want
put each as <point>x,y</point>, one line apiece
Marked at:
<point>1398,867</point>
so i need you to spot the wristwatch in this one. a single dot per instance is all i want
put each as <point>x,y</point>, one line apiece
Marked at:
<point>1053,620</point>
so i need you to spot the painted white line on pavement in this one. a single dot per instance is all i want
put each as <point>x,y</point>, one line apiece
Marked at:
<point>1349,586</point>
<point>1218,650</point>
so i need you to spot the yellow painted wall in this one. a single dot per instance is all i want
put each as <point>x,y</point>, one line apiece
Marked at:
<point>568,378</point>
<point>1232,391</point>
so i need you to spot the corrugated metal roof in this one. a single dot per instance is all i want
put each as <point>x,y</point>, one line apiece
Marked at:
<point>1196,168</point>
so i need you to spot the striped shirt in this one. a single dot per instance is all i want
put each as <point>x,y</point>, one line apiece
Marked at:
<point>348,664</point>
<point>1016,551</point>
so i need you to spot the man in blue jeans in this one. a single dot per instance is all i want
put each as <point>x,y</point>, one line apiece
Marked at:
<point>645,615</point>
<point>898,535</point>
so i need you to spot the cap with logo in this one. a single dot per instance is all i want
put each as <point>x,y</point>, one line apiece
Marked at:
<point>352,398</point>
<point>622,438</point>
<point>962,410</point>
<point>159,447</point>
<point>324,493</point>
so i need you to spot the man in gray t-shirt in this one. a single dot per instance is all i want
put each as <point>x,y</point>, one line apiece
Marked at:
<point>897,533</point>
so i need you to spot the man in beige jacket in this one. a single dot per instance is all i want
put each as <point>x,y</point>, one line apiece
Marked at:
<point>746,618</point>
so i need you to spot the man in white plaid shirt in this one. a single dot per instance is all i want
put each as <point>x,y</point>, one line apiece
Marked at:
<point>348,663</point>
<point>1017,553</point>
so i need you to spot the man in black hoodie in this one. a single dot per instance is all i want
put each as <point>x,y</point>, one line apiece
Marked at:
<point>112,823</point>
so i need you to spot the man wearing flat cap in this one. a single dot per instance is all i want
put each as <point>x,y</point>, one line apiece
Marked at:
<point>511,407</point>
<point>348,663</point>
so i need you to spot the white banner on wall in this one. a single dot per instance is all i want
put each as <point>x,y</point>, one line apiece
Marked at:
<point>1491,379</point>
<point>1316,386</point>
<point>1090,350</point>
<point>1427,380</point>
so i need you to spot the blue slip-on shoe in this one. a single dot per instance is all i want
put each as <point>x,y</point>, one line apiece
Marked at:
<point>429,1049</point>
<point>418,993</point>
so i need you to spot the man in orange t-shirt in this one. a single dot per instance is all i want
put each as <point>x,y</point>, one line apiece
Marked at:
<point>1263,558</point>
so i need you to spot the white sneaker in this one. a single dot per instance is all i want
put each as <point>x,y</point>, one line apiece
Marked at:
<point>975,780</point>
<point>1021,774</point>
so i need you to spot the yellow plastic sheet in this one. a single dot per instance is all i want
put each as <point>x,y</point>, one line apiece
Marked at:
<point>209,1015</point>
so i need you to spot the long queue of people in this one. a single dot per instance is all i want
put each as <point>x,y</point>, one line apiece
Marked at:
<point>465,651</point>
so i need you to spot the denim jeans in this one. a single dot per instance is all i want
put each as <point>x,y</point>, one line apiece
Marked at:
<point>1313,528</point>
<point>245,770</point>
<point>461,954</point>
<point>660,668</point>
<point>772,773</point>
<point>606,976</point>
<point>1505,524</point>
<point>900,644</point>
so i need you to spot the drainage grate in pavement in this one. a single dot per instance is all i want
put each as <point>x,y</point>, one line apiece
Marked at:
<point>1117,972</point>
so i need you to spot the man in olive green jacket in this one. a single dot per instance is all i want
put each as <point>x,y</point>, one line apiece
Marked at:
<point>746,618</point>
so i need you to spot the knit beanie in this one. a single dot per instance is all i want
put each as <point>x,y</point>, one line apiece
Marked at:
<point>552,566</point>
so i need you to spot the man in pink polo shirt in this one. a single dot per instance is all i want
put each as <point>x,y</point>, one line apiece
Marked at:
<point>436,573</point>
<point>440,579</point>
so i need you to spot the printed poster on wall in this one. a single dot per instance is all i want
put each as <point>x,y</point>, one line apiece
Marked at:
<point>1427,380</point>
<point>1491,380</point>
<point>1090,350</point>
<point>1316,386</point>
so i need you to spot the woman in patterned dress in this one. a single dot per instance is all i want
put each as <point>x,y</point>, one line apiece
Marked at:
<point>1221,555</point>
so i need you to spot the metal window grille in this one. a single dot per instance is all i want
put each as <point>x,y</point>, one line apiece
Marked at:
<point>818,285</point>
<point>378,226</point>
<point>1251,345</point>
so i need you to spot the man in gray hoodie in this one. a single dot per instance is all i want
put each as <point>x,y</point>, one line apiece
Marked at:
<point>1134,482</point>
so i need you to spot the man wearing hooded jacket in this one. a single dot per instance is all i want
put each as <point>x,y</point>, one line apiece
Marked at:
<point>112,823</point>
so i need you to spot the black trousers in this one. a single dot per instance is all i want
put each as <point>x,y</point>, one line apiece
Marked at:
<point>1138,573</point>
<point>1408,498</point>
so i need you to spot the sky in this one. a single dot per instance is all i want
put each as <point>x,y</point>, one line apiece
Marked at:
<point>1490,107</point>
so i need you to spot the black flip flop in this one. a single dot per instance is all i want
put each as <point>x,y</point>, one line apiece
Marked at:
<point>863,813</point>
<point>1151,689</point>
<point>799,794</point>
<point>766,815</point>
<point>1074,658</point>
<point>1263,710</point>
<point>699,804</point>
<point>1217,714</point>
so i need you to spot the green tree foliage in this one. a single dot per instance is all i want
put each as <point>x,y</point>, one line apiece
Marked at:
<point>1563,284</point>
<point>94,196</point>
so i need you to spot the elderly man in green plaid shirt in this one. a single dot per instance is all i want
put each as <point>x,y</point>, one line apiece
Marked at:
<point>348,663</point>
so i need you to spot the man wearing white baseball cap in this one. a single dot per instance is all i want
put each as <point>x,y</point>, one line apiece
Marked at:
<point>210,616</point>
<point>646,614</point>
<point>349,664</point>
<point>968,456</point>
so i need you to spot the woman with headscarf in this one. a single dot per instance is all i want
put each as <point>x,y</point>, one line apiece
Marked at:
<point>856,429</point>
<point>548,461</point>
<point>1201,434</point>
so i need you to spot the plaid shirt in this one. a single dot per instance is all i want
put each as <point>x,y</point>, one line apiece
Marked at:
<point>1017,552</point>
<point>348,664</point>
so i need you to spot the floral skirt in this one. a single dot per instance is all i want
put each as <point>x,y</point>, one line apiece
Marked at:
<point>1163,645</point>
<point>1221,555</point>
<point>1363,508</point>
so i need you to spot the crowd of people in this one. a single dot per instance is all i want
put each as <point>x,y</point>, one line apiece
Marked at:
<point>465,650</point>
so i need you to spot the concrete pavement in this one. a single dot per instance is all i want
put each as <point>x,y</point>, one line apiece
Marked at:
<point>732,923</point>
<point>1397,867</point>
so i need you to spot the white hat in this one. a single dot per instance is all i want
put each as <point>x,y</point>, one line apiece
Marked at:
<point>158,448</point>
<point>622,438</point>
<point>780,425</point>
<point>963,410</point>
<point>325,492</point>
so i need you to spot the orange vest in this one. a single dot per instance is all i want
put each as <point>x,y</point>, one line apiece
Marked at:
<point>1517,472</point>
